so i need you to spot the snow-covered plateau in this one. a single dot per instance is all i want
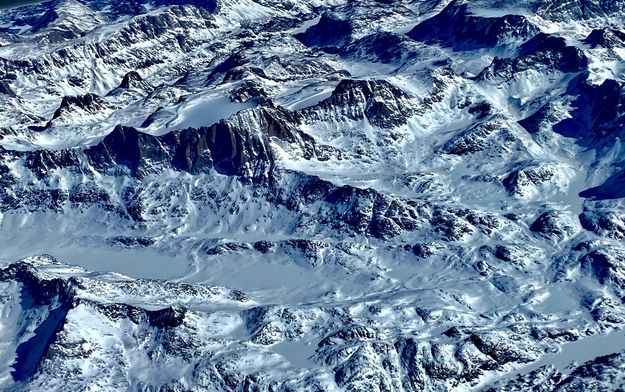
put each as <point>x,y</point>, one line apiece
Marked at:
<point>312,195</point>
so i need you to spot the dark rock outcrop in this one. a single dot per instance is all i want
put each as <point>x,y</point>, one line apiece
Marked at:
<point>551,224</point>
<point>89,102</point>
<point>566,10</point>
<point>606,38</point>
<point>384,47</point>
<point>380,102</point>
<point>228,146</point>
<point>456,27</point>
<point>330,33</point>
<point>599,111</point>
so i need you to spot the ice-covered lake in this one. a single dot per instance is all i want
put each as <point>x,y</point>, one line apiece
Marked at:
<point>16,3</point>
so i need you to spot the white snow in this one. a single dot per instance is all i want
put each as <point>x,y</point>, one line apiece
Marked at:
<point>201,111</point>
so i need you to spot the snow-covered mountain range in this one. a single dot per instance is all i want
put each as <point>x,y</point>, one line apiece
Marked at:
<point>312,195</point>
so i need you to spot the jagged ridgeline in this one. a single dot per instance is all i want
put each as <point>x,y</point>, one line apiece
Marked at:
<point>312,195</point>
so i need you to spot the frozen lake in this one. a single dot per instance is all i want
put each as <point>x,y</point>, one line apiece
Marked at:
<point>580,351</point>
<point>136,263</point>
<point>34,235</point>
<point>570,354</point>
<point>15,3</point>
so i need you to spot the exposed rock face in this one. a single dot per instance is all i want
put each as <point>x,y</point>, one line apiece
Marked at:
<point>89,103</point>
<point>547,49</point>
<point>607,38</point>
<point>607,121</point>
<point>526,182</point>
<point>382,47</point>
<point>579,9</point>
<point>229,147</point>
<point>378,101</point>
<point>479,138</point>
<point>330,33</point>
<point>553,224</point>
<point>457,28</point>
<point>604,222</point>
<point>544,52</point>
<point>6,89</point>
